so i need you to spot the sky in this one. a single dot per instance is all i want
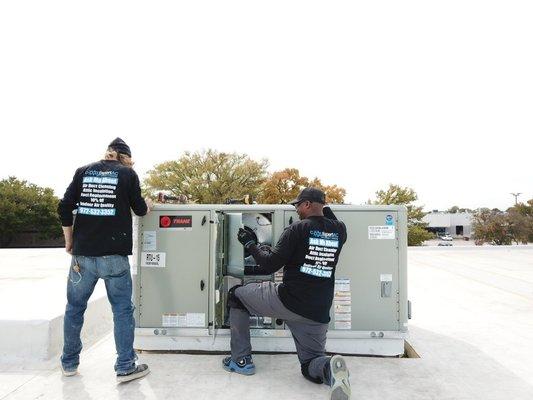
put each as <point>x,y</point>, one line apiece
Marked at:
<point>436,96</point>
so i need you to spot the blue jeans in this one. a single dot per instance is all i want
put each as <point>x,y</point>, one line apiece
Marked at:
<point>115,271</point>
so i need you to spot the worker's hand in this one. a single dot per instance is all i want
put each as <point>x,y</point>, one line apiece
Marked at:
<point>246,238</point>
<point>68,233</point>
<point>328,213</point>
<point>149,204</point>
<point>68,246</point>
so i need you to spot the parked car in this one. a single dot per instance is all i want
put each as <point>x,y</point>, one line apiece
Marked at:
<point>444,243</point>
<point>446,238</point>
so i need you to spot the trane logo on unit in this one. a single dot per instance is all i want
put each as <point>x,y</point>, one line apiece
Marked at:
<point>175,222</point>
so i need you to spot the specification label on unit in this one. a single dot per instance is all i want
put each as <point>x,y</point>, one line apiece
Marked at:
<point>381,232</point>
<point>149,240</point>
<point>342,304</point>
<point>170,320</point>
<point>156,260</point>
<point>184,320</point>
<point>195,319</point>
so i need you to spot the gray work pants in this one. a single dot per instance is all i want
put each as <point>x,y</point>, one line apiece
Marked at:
<point>262,299</point>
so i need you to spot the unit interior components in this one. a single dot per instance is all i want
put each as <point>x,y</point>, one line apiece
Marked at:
<point>257,322</point>
<point>259,225</point>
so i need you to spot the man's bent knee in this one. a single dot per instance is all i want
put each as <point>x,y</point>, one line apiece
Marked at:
<point>233,300</point>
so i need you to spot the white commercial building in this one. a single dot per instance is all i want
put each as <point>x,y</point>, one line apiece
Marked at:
<point>454,224</point>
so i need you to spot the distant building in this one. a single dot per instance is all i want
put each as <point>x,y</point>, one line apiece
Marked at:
<point>454,224</point>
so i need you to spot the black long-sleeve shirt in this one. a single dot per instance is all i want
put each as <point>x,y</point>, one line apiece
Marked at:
<point>309,251</point>
<point>267,261</point>
<point>103,193</point>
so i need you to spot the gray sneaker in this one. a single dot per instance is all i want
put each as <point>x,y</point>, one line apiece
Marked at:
<point>70,372</point>
<point>339,379</point>
<point>140,371</point>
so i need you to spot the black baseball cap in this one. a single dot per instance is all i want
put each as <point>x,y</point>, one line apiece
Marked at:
<point>310,194</point>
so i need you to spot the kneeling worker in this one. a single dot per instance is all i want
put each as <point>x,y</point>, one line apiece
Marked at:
<point>309,251</point>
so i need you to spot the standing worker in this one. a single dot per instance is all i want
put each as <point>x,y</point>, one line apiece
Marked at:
<point>103,193</point>
<point>309,251</point>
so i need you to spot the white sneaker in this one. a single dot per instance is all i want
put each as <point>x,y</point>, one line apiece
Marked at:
<point>340,379</point>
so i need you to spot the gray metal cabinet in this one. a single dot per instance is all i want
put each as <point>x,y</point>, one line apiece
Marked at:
<point>180,287</point>
<point>372,267</point>
<point>184,273</point>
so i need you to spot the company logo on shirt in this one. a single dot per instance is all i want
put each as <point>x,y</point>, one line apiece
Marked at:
<point>325,239</point>
<point>320,257</point>
<point>98,193</point>
<point>324,235</point>
<point>113,174</point>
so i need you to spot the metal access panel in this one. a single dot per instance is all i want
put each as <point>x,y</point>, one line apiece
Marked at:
<point>369,264</point>
<point>368,277</point>
<point>173,269</point>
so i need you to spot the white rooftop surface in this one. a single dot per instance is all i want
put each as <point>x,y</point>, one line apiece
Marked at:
<point>472,327</point>
<point>37,280</point>
<point>32,304</point>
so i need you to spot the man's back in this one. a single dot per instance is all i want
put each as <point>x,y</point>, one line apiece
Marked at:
<point>312,247</point>
<point>103,193</point>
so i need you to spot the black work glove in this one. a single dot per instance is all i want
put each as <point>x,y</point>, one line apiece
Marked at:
<point>246,238</point>
<point>328,213</point>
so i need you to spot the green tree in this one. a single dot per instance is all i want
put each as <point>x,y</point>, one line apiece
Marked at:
<point>27,207</point>
<point>491,226</point>
<point>283,186</point>
<point>503,228</point>
<point>334,194</point>
<point>520,219</point>
<point>208,177</point>
<point>395,194</point>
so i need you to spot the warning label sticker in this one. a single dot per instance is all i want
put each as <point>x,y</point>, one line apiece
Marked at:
<point>342,304</point>
<point>149,240</point>
<point>381,232</point>
<point>184,320</point>
<point>343,325</point>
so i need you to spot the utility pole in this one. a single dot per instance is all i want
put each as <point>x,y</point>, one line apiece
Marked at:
<point>516,197</point>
